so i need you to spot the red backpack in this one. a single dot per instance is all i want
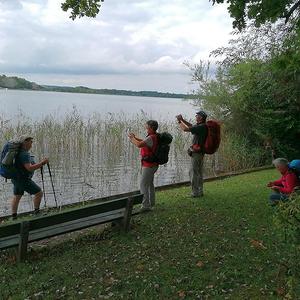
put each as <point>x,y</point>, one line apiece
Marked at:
<point>213,139</point>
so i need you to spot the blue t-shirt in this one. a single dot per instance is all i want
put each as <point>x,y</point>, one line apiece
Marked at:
<point>23,158</point>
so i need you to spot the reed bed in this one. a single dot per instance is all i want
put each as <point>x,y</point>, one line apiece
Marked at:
<point>92,157</point>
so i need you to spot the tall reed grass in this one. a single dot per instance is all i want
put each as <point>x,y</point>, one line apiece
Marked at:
<point>92,157</point>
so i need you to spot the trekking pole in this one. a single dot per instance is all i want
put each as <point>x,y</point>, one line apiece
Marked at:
<point>51,179</point>
<point>43,183</point>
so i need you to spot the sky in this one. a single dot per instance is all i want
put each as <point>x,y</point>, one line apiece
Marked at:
<point>134,44</point>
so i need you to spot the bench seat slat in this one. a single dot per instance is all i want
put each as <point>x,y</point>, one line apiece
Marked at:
<point>78,213</point>
<point>51,231</point>
<point>10,241</point>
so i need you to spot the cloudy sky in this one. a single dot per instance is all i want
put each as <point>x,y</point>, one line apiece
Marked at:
<point>134,44</point>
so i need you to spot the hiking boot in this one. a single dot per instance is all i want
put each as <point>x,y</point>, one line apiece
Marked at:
<point>36,212</point>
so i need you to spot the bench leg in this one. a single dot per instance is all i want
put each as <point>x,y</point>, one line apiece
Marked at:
<point>127,215</point>
<point>24,233</point>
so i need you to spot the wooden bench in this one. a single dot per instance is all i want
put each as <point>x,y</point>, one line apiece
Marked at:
<point>19,234</point>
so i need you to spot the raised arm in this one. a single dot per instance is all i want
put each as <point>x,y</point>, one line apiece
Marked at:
<point>136,141</point>
<point>184,125</point>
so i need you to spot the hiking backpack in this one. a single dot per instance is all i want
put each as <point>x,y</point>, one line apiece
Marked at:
<point>161,155</point>
<point>8,155</point>
<point>294,165</point>
<point>213,138</point>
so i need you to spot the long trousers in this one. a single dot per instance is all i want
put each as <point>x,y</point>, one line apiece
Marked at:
<point>196,173</point>
<point>147,186</point>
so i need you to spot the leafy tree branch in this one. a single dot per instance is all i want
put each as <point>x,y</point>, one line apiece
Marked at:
<point>81,8</point>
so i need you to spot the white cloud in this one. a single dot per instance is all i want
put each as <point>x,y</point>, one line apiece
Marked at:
<point>133,37</point>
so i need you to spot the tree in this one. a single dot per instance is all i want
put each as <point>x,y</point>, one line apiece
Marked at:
<point>255,43</point>
<point>261,11</point>
<point>81,8</point>
<point>256,94</point>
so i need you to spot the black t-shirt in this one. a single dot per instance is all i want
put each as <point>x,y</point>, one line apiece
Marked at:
<point>199,132</point>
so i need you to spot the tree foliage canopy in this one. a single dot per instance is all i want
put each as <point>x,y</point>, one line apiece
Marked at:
<point>81,8</point>
<point>261,11</point>
<point>256,94</point>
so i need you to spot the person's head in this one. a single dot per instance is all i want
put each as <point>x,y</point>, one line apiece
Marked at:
<point>281,164</point>
<point>26,141</point>
<point>201,116</point>
<point>151,126</point>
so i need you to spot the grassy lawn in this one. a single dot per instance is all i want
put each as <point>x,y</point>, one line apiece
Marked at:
<point>223,246</point>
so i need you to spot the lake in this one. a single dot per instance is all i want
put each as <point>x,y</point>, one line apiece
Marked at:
<point>85,138</point>
<point>36,105</point>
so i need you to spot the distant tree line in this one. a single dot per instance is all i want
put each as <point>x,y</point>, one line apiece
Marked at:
<point>23,84</point>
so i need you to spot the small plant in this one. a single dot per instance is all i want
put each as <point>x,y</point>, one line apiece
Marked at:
<point>287,220</point>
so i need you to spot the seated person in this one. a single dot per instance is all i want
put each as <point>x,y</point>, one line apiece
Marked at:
<point>284,186</point>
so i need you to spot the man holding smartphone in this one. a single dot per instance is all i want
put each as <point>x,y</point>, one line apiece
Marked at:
<point>196,152</point>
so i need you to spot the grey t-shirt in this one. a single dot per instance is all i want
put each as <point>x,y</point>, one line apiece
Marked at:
<point>148,141</point>
<point>199,132</point>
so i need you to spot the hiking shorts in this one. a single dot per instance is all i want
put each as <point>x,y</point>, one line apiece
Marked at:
<point>22,185</point>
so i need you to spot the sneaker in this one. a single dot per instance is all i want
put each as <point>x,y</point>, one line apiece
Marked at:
<point>36,212</point>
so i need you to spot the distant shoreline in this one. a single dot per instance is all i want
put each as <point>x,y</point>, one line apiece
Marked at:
<point>16,83</point>
<point>186,97</point>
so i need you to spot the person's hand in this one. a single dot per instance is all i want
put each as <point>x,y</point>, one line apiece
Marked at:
<point>179,117</point>
<point>44,161</point>
<point>270,184</point>
<point>275,188</point>
<point>131,135</point>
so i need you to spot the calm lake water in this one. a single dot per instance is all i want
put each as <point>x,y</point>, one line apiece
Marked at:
<point>37,105</point>
<point>88,147</point>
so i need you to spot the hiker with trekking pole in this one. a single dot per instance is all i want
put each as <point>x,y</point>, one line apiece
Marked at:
<point>18,165</point>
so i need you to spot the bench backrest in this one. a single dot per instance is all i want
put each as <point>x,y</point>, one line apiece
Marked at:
<point>66,216</point>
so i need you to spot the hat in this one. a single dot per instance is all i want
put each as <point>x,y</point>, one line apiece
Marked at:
<point>202,114</point>
<point>23,138</point>
<point>294,164</point>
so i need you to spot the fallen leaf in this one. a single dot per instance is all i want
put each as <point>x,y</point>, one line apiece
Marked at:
<point>280,291</point>
<point>257,244</point>
<point>200,264</point>
<point>181,294</point>
<point>140,267</point>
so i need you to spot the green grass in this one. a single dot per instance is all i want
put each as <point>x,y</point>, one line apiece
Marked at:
<point>223,246</point>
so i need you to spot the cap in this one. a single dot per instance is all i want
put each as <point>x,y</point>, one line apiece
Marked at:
<point>294,164</point>
<point>202,114</point>
<point>23,138</point>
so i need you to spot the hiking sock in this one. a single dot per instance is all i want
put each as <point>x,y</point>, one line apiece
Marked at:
<point>14,216</point>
